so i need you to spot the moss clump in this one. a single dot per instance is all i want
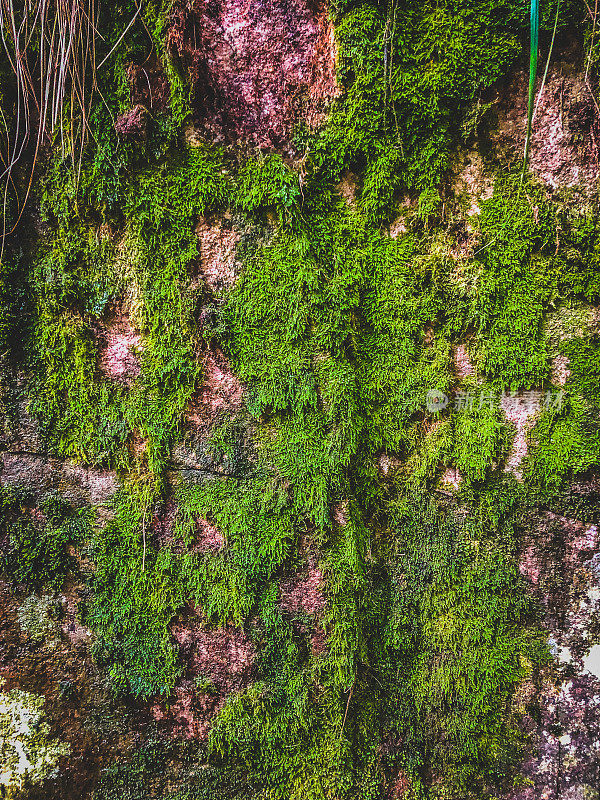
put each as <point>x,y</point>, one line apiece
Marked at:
<point>39,538</point>
<point>481,436</point>
<point>81,415</point>
<point>516,284</point>
<point>78,275</point>
<point>136,593</point>
<point>460,635</point>
<point>410,72</point>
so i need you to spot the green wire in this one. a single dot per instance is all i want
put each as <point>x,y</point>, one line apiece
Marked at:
<point>534,25</point>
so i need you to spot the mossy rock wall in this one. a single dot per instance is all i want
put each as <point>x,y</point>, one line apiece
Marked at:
<point>300,452</point>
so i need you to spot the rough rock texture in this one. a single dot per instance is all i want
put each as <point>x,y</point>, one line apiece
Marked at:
<point>302,595</point>
<point>148,84</point>
<point>348,188</point>
<point>208,538</point>
<point>560,370</point>
<point>220,391</point>
<point>470,181</point>
<point>451,479</point>
<point>80,708</point>
<point>118,346</point>
<point>41,474</point>
<point>561,561</point>
<point>217,401</point>
<point>564,143</point>
<point>303,592</point>
<point>149,93</point>
<point>217,662</point>
<point>133,123</point>
<point>255,65</point>
<point>217,241</point>
<point>25,462</point>
<point>463,368</point>
<point>521,411</point>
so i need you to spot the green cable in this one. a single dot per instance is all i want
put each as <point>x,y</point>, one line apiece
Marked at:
<point>534,24</point>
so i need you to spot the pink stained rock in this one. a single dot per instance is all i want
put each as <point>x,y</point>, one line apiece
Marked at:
<point>256,66</point>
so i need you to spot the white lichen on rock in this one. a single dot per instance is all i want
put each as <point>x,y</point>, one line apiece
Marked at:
<point>27,755</point>
<point>38,618</point>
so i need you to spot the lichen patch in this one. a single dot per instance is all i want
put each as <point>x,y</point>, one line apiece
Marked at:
<point>26,751</point>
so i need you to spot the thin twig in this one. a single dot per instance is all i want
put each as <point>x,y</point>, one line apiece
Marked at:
<point>64,33</point>
<point>347,707</point>
<point>120,39</point>
<point>547,61</point>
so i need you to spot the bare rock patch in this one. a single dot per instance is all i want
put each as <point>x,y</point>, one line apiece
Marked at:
<point>522,411</point>
<point>303,592</point>
<point>564,153</point>
<point>256,66</point>
<point>119,344</point>
<point>217,662</point>
<point>220,391</point>
<point>218,265</point>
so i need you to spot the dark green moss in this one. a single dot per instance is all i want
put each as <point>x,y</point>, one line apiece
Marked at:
<point>39,537</point>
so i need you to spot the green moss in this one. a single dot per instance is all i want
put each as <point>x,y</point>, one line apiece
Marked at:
<point>518,280</point>
<point>162,206</point>
<point>584,368</point>
<point>267,183</point>
<point>132,623</point>
<point>152,767</point>
<point>410,73</point>
<point>259,534</point>
<point>38,541</point>
<point>565,443</point>
<point>481,437</point>
<point>566,439</point>
<point>339,333</point>
<point>137,590</point>
<point>460,639</point>
<point>78,273</point>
